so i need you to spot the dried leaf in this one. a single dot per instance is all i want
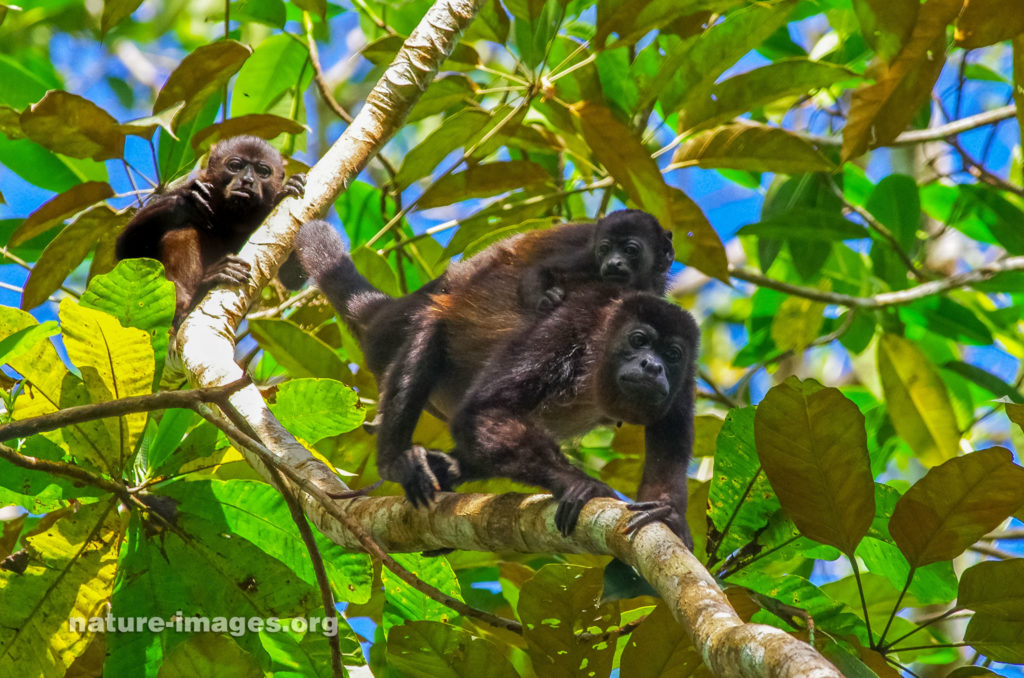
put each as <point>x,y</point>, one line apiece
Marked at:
<point>74,126</point>
<point>199,75</point>
<point>752,147</point>
<point>61,207</point>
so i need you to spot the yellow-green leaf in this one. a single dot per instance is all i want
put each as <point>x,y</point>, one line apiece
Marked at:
<point>813,449</point>
<point>70,574</point>
<point>986,22</point>
<point>696,242</point>
<point>879,112</point>
<point>61,207</point>
<point>917,400</point>
<point>427,649</point>
<point>67,250</point>
<point>955,504</point>
<point>796,323</point>
<point>145,127</point>
<point>199,75</point>
<point>74,126</point>
<point>116,11</point>
<point>481,181</point>
<point>886,24</point>
<point>661,643</point>
<point>753,147</point>
<point>299,352</point>
<point>115,361</point>
<point>10,123</point>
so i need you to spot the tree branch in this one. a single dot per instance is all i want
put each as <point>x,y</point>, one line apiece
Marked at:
<point>118,408</point>
<point>920,136</point>
<point>883,299</point>
<point>60,468</point>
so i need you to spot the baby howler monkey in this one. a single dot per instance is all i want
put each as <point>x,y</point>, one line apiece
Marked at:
<point>196,230</point>
<point>431,344</point>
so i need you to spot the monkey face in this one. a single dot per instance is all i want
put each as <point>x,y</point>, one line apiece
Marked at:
<point>648,366</point>
<point>247,172</point>
<point>246,180</point>
<point>630,248</point>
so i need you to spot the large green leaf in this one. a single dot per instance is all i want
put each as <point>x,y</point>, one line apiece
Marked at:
<point>812,444</point>
<point>752,147</point>
<point>72,125</point>
<point>457,131</point>
<point>955,504</point>
<point>268,79</point>
<point>61,207</point>
<point>481,181</point>
<point>435,650</point>
<point>661,648</point>
<point>313,409</point>
<point>917,400</point>
<point>405,604</point>
<point>199,75</point>
<point>998,639</point>
<point>302,354</point>
<point>994,587</point>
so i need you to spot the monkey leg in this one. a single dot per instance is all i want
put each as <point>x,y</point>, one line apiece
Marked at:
<point>407,385</point>
<point>495,444</point>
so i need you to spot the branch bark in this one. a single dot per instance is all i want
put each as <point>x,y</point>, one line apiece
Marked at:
<point>506,522</point>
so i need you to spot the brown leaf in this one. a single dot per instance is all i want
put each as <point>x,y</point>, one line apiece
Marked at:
<point>753,147</point>
<point>74,126</point>
<point>879,112</point>
<point>66,251</point>
<point>263,125</point>
<point>199,75</point>
<point>1018,79</point>
<point>955,504</point>
<point>10,123</point>
<point>61,207</point>
<point>145,127</point>
<point>696,242</point>
<point>986,22</point>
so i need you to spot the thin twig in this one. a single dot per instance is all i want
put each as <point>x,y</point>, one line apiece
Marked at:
<point>60,468</point>
<point>920,136</point>
<point>117,408</point>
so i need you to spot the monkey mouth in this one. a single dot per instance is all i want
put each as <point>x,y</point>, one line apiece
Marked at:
<point>643,387</point>
<point>243,193</point>
<point>616,276</point>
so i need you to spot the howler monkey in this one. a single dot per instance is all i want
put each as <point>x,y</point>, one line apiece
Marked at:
<point>429,345</point>
<point>196,230</point>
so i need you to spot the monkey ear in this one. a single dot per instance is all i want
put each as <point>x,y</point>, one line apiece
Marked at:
<point>668,252</point>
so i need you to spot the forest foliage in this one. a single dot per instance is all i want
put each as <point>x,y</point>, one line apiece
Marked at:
<point>856,262</point>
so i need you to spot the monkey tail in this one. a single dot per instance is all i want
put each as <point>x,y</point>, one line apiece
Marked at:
<point>322,254</point>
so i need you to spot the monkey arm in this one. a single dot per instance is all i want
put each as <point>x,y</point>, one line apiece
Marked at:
<point>668,445</point>
<point>179,250</point>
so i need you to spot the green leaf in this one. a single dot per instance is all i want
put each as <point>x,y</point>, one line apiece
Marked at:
<point>116,362</point>
<point>457,131</point>
<point>553,604</point>
<point>933,584</point>
<point>256,512</point>
<point>405,604</point>
<point>812,444</point>
<point>67,250</point>
<point>199,75</point>
<point>632,21</point>
<point>376,269</point>
<point>434,650</point>
<point>174,423</point>
<point>267,80</point>
<point>917,400</point>
<point>994,588</point>
<point>116,11</point>
<point>302,354</point>
<point>444,93</point>
<point>138,295</point>
<point>206,655</point>
<point>985,380</point>
<point>61,207</point>
<point>955,504</point>
<point>797,323</point>
<point>481,181</point>
<point>998,639</point>
<point>806,223</point>
<point>74,126</point>
<point>752,147</point>
<point>736,466</point>
<point>314,409</point>
<point>886,24</point>
<point>761,86</point>
<point>945,317</point>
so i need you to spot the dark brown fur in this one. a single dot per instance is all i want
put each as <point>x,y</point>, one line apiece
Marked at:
<point>196,230</point>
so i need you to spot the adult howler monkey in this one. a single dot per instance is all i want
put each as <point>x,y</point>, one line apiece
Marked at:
<point>431,344</point>
<point>196,230</point>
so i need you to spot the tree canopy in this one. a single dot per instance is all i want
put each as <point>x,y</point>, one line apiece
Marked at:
<point>843,182</point>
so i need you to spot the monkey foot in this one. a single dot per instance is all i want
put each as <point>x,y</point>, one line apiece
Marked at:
<point>295,186</point>
<point>423,473</point>
<point>201,193</point>
<point>572,501</point>
<point>647,512</point>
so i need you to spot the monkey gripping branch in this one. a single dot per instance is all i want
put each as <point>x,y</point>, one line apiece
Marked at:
<point>509,522</point>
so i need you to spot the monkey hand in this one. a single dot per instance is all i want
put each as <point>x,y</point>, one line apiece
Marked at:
<point>572,501</point>
<point>231,270</point>
<point>647,512</point>
<point>200,194</point>
<point>294,187</point>
<point>422,473</point>
<point>551,299</point>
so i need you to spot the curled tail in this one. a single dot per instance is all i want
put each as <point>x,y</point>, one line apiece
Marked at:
<point>322,254</point>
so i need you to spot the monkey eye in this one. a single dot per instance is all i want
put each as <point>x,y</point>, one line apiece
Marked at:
<point>638,339</point>
<point>631,249</point>
<point>235,164</point>
<point>602,249</point>
<point>673,354</point>
<point>263,170</point>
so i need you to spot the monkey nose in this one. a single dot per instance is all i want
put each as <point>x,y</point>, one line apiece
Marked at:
<point>651,367</point>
